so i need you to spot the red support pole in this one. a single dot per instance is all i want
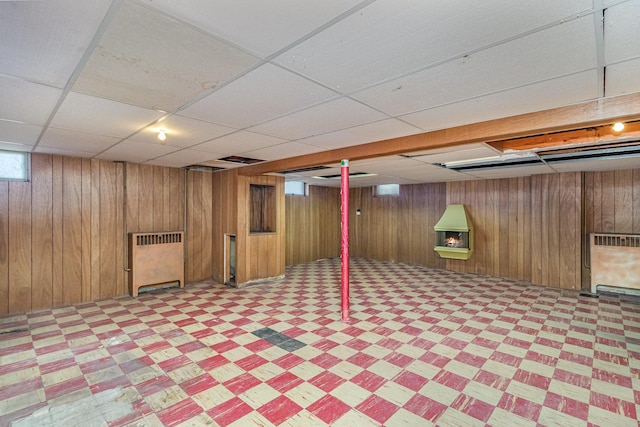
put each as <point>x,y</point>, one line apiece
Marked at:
<point>344,179</point>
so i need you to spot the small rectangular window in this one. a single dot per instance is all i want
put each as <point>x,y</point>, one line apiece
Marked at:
<point>387,190</point>
<point>14,166</point>
<point>295,188</point>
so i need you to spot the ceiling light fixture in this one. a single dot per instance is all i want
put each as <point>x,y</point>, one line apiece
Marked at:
<point>162,135</point>
<point>618,127</point>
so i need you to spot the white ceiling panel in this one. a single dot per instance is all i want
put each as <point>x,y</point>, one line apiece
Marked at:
<point>96,115</point>
<point>182,132</point>
<point>63,152</point>
<point>45,40</point>
<point>328,117</point>
<point>536,57</point>
<point>19,133</point>
<point>526,99</point>
<point>71,140</point>
<point>258,26</point>
<point>26,102</point>
<point>597,165</point>
<point>135,151</point>
<point>390,38</point>
<point>130,65</point>
<point>376,131</point>
<point>263,94</point>
<point>509,172</point>
<point>275,152</point>
<point>458,154</point>
<point>12,146</point>
<point>623,77</point>
<point>622,32</point>
<point>182,158</point>
<point>238,142</point>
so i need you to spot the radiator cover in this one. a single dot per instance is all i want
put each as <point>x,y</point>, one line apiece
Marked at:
<point>615,261</point>
<point>155,258</point>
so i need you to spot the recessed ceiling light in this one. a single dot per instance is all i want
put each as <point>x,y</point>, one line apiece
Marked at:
<point>618,127</point>
<point>162,135</point>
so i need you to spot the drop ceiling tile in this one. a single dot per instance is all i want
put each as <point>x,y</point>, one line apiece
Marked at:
<point>387,40</point>
<point>153,61</point>
<point>526,99</point>
<point>76,141</point>
<point>182,158</point>
<point>509,172</point>
<point>182,132</point>
<point>19,133</point>
<point>25,101</point>
<point>524,61</point>
<point>258,26</point>
<point>623,77</point>
<point>12,146</point>
<point>281,151</point>
<point>89,114</point>
<point>46,39</point>
<point>238,142</point>
<point>370,132</point>
<point>621,32</point>
<point>63,152</point>
<point>597,165</point>
<point>328,117</point>
<point>135,151</point>
<point>441,150</point>
<point>459,154</point>
<point>263,94</point>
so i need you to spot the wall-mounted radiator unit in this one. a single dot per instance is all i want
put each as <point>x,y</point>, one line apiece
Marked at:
<point>155,258</point>
<point>615,262</point>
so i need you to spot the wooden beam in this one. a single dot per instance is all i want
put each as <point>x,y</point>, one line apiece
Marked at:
<point>584,115</point>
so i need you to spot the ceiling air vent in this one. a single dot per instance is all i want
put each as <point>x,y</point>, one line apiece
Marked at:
<point>241,160</point>
<point>503,161</point>
<point>351,175</point>
<point>202,168</point>
<point>309,169</point>
<point>604,152</point>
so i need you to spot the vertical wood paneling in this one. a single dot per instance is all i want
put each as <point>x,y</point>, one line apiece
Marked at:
<point>72,230</point>
<point>109,231</point>
<point>95,248</point>
<point>145,199</point>
<point>636,201</point>
<point>58,283</point>
<point>4,248</point>
<point>623,193</point>
<point>86,230</point>
<point>158,198</point>
<point>19,246</point>
<point>42,232</point>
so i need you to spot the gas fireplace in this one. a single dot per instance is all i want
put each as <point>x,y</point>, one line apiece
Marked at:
<point>454,234</point>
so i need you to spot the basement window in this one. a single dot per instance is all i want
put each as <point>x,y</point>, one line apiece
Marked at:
<point>14,166</point>
<point>386,190</point>
<point>296,188</point>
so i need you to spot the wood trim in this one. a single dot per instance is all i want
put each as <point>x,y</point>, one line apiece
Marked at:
<point>563,119</point>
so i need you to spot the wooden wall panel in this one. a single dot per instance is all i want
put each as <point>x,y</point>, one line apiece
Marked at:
<point>42,232</point>
<point>527,228</point>
<point>4,248</point>
<point>313,225</point>
<point>397,228</point>
<point>72,230</point>
<point>224,217</point>
<point>19,246</point>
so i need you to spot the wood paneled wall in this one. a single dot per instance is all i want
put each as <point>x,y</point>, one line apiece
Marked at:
<point>611,205</point>
<point>397,228</point>
<point>526,228</point>
<point>61,239</point>
<point>313,225</point>
<point>62,235</point>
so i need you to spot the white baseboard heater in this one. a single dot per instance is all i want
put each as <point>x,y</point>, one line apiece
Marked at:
<point>615,262</point>
<point>155,258</point>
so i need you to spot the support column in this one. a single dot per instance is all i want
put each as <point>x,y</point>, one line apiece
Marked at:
<point>344,180</point>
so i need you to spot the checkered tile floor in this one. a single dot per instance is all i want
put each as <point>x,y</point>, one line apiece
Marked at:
<point>423,347</point>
